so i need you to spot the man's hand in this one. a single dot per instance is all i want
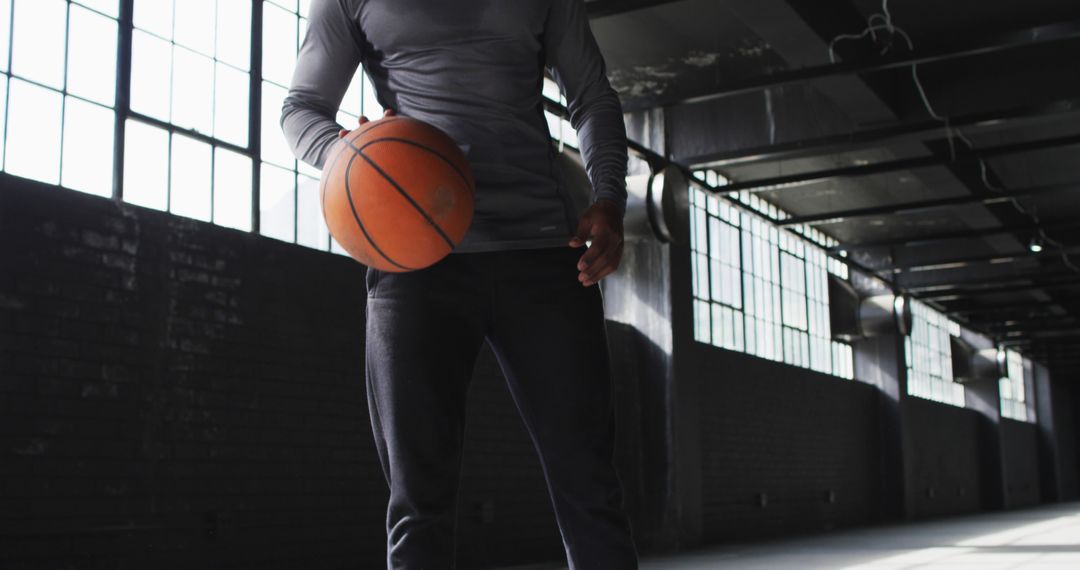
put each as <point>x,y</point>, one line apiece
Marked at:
<point>602,224</point>
<point>363,119</point>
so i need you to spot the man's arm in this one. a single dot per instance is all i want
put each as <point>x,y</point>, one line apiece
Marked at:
<point>575,62</point>
<point>328,58</point>
<point>596,114</point>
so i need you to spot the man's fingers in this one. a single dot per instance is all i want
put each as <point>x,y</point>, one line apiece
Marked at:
<point>389,112</point>
<point>599,244</point>
<point>595,258</point>
<point>341,134</point>
<point>610,262</point>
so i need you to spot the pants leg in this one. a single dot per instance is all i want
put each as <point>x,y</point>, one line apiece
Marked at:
<point>424,331</point>
<point>548,334</point>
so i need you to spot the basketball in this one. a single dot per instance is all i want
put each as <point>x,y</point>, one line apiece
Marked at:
<point>397,194</point>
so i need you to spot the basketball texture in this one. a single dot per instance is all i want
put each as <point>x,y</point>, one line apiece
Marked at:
<point>397,194</point>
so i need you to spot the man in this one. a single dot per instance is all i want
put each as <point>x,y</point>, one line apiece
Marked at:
<point>474,69</point>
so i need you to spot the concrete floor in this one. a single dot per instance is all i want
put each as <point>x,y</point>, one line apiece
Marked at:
<point>1041,538</point>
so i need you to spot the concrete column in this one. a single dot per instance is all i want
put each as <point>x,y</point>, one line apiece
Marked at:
<point>984,397</point>
<point>1049,462</point>
<point>879,361</point>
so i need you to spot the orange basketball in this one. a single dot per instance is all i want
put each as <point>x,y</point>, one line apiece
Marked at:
<point>397,194</point>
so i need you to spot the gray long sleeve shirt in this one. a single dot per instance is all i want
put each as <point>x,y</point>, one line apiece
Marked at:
<point>473,68</point>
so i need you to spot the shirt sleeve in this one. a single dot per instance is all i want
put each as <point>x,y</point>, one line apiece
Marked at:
<point>575,62</point>
<point>328,58</point>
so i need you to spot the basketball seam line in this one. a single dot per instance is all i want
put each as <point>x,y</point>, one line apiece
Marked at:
<point>356,216</point>
<point>405,194</point>
<point>441,156</point>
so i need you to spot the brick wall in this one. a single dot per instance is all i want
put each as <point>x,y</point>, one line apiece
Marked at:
<point>942,459</point>
<point>180,395</point>
<point>806,441</point>
<point>1020,450</point>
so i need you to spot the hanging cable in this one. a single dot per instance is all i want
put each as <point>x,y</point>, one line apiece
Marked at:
<point>887,24</point>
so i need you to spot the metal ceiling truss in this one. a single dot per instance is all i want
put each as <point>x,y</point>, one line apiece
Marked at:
<point>988,259</point>
<point>926,205</point>
<point>1042,35</point>
<point>958,293</point>
<point>929,238</point>
<point>890,134</point>
<point>963,155</point>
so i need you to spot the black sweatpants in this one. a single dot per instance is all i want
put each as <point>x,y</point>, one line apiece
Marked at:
<point>424,330</point>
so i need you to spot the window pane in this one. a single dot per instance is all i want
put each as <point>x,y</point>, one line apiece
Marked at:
<point>232,189</point>
<point>33,146</point>
<point>110,7</point>
<point>231,105</point>
<point>3,103</point>
<point>234,33</point>
<point>92,56</point>
<point>193,90</point>
<point>279,54</point>
<point>290,4</point>
<point>274,147</point>
<point>189,192</point>
<point>372,109</point>
<point>151,67</point>
<point>5,31</point>
<point>146,165</point>
<point>335,247</point>
<point>194,25</point>
<point>155,16</point>
<point>39,41</point>
<point>351,102</point>
<point>88,147</point>
<point>311,229</point>
<point>276,205</point>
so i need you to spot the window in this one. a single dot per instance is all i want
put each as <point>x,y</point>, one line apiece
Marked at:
<point>289,197</point>
<point>58,91</point>
<point>560,129</point>
<point>758,289</point>
<point>929,357</point>
<point>188,124</point>
<point>1014,389</point>
<point>187,149</point>
<point>717,277</point>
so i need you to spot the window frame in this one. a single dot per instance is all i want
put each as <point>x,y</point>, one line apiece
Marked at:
<point>753,230</point>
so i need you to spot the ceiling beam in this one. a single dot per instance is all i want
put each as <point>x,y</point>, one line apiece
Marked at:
<point>990,259</point>
<point>604,8</point>
<point>975,291</point>
<point>1001,307</point>
<point>881,135</point>
<point>884,167</point>
<point>925,205</point>
<point>906,241</point>
<point>992,281</point>
<point>1022,38</point>
<point>1066,321</point>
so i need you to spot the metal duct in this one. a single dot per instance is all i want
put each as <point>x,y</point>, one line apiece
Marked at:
<point>853,317</point>
<point>973,365</point>
<point>657,206</point>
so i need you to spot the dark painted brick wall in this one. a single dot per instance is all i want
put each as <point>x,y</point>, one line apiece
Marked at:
<point>792,434</point>
<point>1066,403</point>
<point>941,459</point>
<point>180,395</point>
<point>1020,449</point>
